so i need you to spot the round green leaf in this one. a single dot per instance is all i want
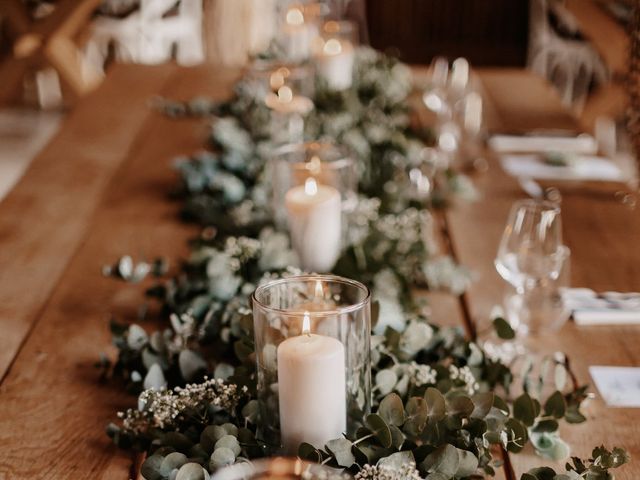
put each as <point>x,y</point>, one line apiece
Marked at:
<point>380,429</point>
<point>392,410</point>
<point>341,450</point>
<point>221,457</point>
<point>191,471</point>
<point>171,461</point>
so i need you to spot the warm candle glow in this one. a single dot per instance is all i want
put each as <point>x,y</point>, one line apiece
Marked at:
<point>306,324</point>
<point>332,26</point>
<point>310,186</point>
<point>319,289</point>
<point>332,47</point>
<point>277,78</point>
<point>295,16</point>
<point>285,94</point>
<point>314,165</point>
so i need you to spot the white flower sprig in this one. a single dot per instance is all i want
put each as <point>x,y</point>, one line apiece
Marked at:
<point>166,408</point>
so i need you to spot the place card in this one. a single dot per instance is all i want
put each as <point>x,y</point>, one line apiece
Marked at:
<point>583,143</point>
<point>584,168</point>
<point>619,386</point>
<point>608,308</point>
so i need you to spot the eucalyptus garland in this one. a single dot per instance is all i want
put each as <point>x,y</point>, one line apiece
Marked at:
<point>443,407</point>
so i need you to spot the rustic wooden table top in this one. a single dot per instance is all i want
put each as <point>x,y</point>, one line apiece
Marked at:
<point>99,190</point>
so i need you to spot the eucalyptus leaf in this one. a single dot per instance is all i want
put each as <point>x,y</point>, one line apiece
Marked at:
<point>191,364</point>
<point>417,415</point>
<point>555,405</point>
<point>397,460</point>
<point>436,405</point>
<point>341,450</point>
<point>524,409</point>
<point>171,461</point>
<point>503,329</point>
<point>392,410</point>
<point>150,468</point>
<point>444,460</point>
<point>379,428</point>
<point>192,471</point>
<point>155,378</point>
<point>482,403</point>
<point>386,380</point>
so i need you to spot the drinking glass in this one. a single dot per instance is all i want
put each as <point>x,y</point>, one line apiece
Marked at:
<point>531,248</point>
<point>532,258</point>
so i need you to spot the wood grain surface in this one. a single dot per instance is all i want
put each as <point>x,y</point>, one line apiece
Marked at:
<point>45,217</point>
<point>54,408</point>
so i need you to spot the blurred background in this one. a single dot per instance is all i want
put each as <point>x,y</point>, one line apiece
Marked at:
<point>54,52</point>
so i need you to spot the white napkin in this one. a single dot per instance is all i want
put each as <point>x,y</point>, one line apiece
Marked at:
<point>619,386</point>
<point>609,308</point>
<point>582,168</point>
<point>582,143</point>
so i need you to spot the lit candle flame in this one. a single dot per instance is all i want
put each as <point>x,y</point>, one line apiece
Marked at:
<point>332,47</point>
<point>306,324</point>
<point>314,165</point>
<point>277,78</point>
<point>319,290</point>
<point>310,186</point>
<point>285,94</point>
<point>295,16</point>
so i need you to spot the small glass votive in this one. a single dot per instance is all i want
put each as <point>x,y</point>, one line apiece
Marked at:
<point>312,341</point>
<point>298,29</point>
<point>314,185</point>
<point>279,468</point>
<point>334,53</point>
<point>267,76</point>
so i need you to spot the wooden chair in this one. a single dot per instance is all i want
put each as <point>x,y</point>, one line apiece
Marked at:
<point>148,35</point>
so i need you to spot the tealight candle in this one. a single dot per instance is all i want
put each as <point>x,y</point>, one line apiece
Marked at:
<point>297,35</point>
<point>311,389</point>
<point>335,63</point>
<point>315,222</point>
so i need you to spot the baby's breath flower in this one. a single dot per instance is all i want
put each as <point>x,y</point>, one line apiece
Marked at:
<point>378,472</point>
<point>464,376</point>
<point>422,374</point>
<point>166,408</point>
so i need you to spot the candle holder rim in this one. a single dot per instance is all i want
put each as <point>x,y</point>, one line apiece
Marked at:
<point>253,467</point>
<point>344,156</point>
<point>310,277</point>
<point>536,204</point>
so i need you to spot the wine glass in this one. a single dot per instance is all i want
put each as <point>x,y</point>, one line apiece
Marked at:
<point>531,250</point>
<point>532,258</point>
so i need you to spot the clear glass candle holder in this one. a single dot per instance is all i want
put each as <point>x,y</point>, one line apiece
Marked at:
<point>334,54</point>
<point>298,27</point>
<point>267,76</point>
<point>313,186</point>
<point>284,468</point>
<point>312,341</point>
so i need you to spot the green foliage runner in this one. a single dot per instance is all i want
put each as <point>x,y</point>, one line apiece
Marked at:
<point>443,406</point>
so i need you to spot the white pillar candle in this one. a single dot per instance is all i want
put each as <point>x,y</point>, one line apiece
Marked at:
<point>335,63</point>
<point>473,113</point>
<point>311,389</point>
<point>288,111</point>
<point>297,36</point>
<point>315,224</point>
<point>459,76</point>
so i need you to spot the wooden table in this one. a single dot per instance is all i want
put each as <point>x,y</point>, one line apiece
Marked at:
<point>99,190</point>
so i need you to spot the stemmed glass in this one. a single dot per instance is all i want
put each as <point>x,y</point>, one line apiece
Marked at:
<point>533,259</point>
